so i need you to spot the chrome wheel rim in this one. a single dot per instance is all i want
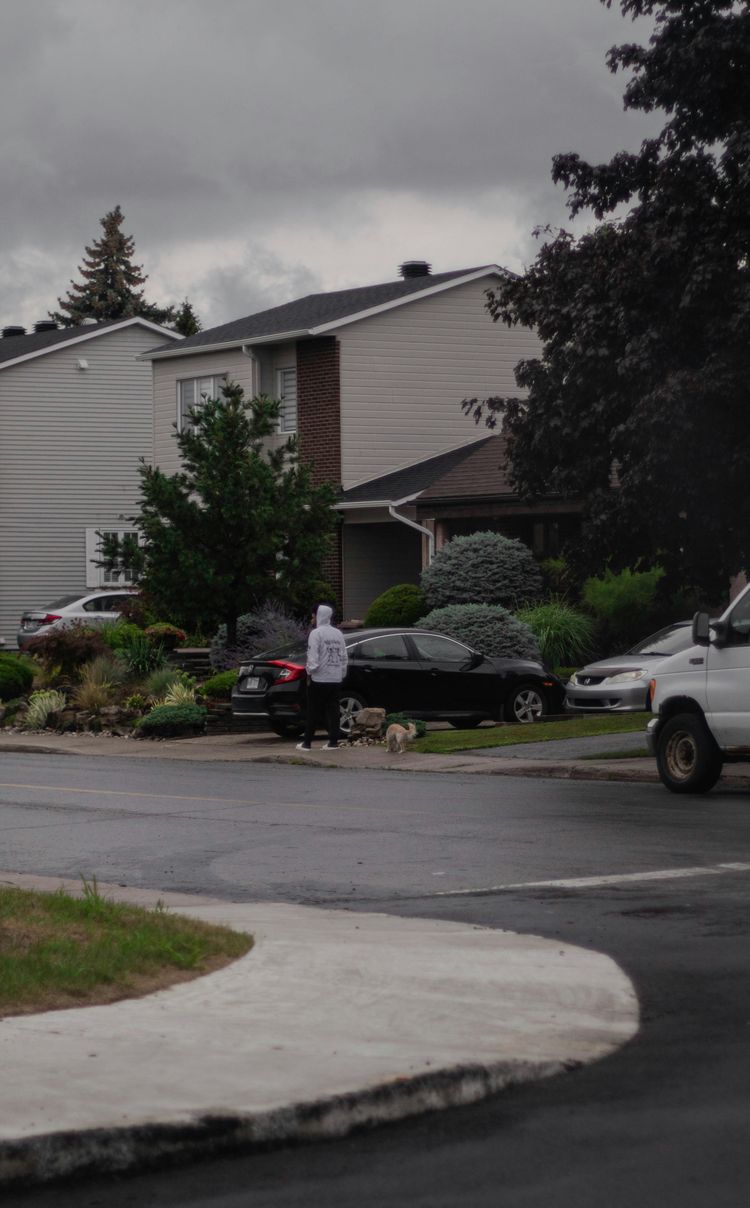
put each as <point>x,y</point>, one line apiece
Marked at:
<point>348,706</point>
<point>528,706</point>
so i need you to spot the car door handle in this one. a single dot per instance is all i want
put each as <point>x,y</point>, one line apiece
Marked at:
<point>697,662</point>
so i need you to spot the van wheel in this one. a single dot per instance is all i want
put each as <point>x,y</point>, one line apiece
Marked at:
<point>687,757</point>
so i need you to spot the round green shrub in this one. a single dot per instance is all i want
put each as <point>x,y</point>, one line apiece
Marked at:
<point>171,721</point>
<point>16,677</point>
<point>565,635</point>
<point>484,568</point>
<point>488,628</point>
<point>219,686</point>
<point>403,604</point>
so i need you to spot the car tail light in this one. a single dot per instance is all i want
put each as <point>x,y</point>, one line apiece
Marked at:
<point>288,672</point>
<point>49,618</point>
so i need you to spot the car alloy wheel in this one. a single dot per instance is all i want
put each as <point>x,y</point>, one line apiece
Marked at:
<point>348,706</point>
<point>525,705</point>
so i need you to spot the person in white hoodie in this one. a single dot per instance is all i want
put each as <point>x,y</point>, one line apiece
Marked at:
<point>326,668</point>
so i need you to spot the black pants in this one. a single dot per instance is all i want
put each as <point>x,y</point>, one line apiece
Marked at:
<point>322,704</point>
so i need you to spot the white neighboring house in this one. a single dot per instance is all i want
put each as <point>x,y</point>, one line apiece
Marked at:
<point>76,414</point>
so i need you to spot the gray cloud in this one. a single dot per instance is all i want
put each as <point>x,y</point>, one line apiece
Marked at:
<point>219,123</point>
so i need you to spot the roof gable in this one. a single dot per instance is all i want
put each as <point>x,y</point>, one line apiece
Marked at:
<point>317,314</point>
<point>16,349</point>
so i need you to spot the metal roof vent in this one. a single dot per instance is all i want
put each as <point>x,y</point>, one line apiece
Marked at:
<point>45,325</point>
<point>13,331</point>
<point>414,268</point>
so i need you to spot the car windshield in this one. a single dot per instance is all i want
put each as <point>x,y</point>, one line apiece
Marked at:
<point>63,601</point>
<point>671,640</point>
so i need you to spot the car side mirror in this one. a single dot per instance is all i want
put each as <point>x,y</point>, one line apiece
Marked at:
<point>701,629</point>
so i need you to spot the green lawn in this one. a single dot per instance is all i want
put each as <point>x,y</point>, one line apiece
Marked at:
<point>57,951</point>
<point>442,742</point>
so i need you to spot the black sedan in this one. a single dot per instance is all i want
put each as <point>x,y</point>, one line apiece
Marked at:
<point>424,675</point>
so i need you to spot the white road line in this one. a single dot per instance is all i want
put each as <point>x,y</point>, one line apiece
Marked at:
<point>666,874</point>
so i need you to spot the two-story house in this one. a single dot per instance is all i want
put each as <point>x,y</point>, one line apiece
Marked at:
<point>371,379</point>
<point>76,414</point>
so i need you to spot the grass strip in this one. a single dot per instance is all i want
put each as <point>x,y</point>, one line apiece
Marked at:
<point>60,951</point>
<point>442,742</point>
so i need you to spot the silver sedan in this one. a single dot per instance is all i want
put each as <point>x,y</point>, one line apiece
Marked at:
<point>87,608</point>
<point>621,684</point>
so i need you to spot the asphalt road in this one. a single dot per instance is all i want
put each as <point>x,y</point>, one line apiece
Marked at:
<point>653,880</point>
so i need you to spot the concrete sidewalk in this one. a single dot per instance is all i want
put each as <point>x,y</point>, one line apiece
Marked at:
<point>529,759</point>
<point>333,1021</point>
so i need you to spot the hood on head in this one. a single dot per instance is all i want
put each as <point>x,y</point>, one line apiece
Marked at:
<point>323,615</point>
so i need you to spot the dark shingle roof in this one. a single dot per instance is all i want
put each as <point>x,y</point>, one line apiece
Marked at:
<point>425,476</point>
<point>12,347</point>
<point>316,309</point>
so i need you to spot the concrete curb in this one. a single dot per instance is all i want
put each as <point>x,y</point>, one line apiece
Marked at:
<point>65,1155</point>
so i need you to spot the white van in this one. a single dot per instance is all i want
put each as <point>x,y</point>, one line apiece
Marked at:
<point>702,701</point>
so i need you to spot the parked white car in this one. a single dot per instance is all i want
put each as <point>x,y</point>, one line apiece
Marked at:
<point>701,699</point>
<point>87,608</point>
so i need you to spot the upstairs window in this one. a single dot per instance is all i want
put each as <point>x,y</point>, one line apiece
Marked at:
<point>287,392</point>
<point>192,393</point>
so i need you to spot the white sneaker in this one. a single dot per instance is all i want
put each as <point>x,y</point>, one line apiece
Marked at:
<point>301,746</point>
<point>329,747</point>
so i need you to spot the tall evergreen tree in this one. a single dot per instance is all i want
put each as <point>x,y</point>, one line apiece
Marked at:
<point>644,322</point>
<point>237,526</point>
<point>112,284</point>
<point>186,320</point>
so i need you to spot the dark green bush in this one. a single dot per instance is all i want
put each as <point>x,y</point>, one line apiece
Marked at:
<point>171,721</point>
<point>403,604</point>
<point>16,677</point>
<point>66,649</point>
<point>219,686</point>
<point>484,568</point>
<point>488,628</point>
<point>403,719</point>
<point>625,605</point>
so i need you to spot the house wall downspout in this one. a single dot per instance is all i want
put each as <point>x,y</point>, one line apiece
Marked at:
<point>420,529</point>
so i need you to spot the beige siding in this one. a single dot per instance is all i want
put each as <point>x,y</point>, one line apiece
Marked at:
<point>237,367</point>
<point>70,440</point>
<point>405,372</point>
<point>168,373</point>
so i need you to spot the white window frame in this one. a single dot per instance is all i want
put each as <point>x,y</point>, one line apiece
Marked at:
<point>208,385</point>
<point>283,393</point>
<point>99,576</point>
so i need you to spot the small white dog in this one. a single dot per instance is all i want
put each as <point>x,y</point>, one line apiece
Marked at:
<point>396,737</point>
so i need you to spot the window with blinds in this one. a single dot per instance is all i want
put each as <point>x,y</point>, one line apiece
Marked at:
<point>99,576</point>
<point>192,394</point>
<point>288,395</point>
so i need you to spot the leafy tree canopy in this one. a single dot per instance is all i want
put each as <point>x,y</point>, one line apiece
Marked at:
<point>112,285</point>
<point>644,375</point>
<point>236,526</point>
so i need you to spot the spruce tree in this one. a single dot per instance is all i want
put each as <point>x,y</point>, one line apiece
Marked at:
<point>112,284</point>
<point>238,525</point>
<point>186,320</point>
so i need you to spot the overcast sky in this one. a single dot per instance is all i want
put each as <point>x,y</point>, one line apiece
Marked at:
<point>264,149</point>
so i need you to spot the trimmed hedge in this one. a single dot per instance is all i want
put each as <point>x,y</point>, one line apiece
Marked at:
<point>16,677</point>
<point>219,686</point>
<point>403,604</point>
<point>488,628</point>
<point>172,721</point>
